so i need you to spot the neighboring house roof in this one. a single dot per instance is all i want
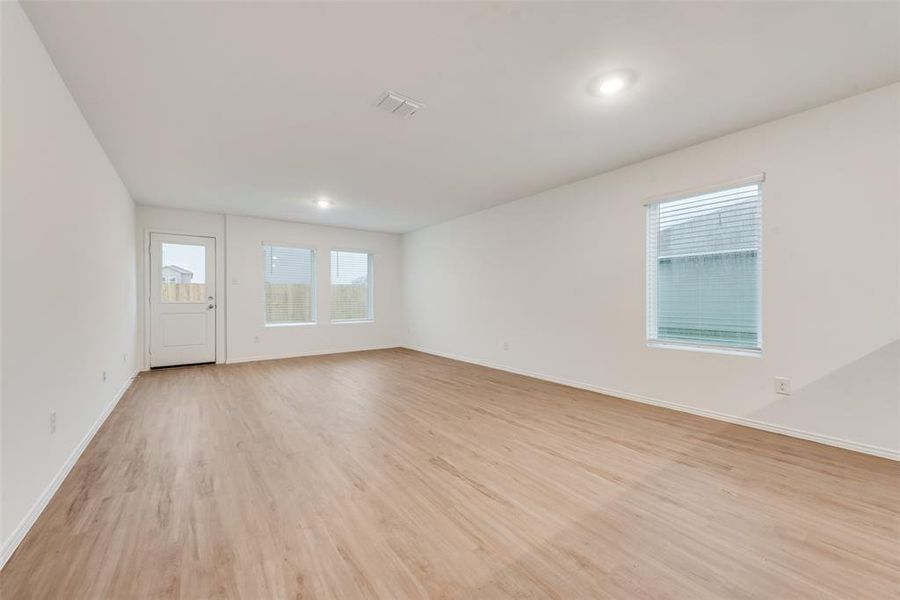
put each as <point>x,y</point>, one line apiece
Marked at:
<point>178,269</point>
<point>723,230</point>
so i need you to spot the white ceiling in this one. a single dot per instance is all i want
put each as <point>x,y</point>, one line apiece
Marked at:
<point>257,108</point>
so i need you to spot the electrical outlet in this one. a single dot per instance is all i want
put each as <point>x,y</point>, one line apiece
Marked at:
<point>124,357</point>
<point>506,345</point>
<point>52,421</point>
<point>255,339</point>
<point>104,376</point>
<point>783,386</point>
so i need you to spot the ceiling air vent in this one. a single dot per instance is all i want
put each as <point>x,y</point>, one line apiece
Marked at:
<point>398,104</point>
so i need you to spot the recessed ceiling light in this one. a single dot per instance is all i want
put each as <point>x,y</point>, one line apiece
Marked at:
<point>323,202</point>
<point>609,84</point>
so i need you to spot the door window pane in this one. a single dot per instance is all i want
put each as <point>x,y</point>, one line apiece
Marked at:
<point>183,273</point>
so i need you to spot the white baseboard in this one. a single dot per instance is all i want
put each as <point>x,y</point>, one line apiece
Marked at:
<point>245,359</point>
<point>737,420</point>
<point>19,533</point>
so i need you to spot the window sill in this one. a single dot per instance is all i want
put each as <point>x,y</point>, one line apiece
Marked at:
<point>352,321</point>
<point>290,324</point>
<point>704,348</point>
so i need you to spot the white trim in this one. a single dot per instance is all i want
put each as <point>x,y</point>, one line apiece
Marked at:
<point>706,189</point>
<point>262,357</point>
<point>353,250</point>
<point>291,245</point>
<point>712,348</point>
<point>753,423</point>
<point>19,533</point>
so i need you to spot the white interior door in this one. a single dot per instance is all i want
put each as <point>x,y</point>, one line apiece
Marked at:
<point>182,300</point>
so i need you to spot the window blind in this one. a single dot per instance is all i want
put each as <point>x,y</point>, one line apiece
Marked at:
<point>290,283</point>
<point>351,286</point>
<point>704,269</point>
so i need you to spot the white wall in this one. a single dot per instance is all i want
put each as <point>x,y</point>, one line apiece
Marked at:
<point>242,332</point>
<point>68,279</point>
<point>560,276</point>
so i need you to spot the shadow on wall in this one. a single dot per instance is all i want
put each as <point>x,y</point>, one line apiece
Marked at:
<point>853,395</point>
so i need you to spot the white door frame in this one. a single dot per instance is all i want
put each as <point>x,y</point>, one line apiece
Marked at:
<point>182,331</point>
<point>144,298</point>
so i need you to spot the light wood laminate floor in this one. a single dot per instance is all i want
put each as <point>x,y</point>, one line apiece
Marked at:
<point>395,474</point>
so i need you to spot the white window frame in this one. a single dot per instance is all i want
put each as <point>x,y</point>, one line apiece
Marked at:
<point>314,294</point>
<point>370,287</point>
<point>652,340</point>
